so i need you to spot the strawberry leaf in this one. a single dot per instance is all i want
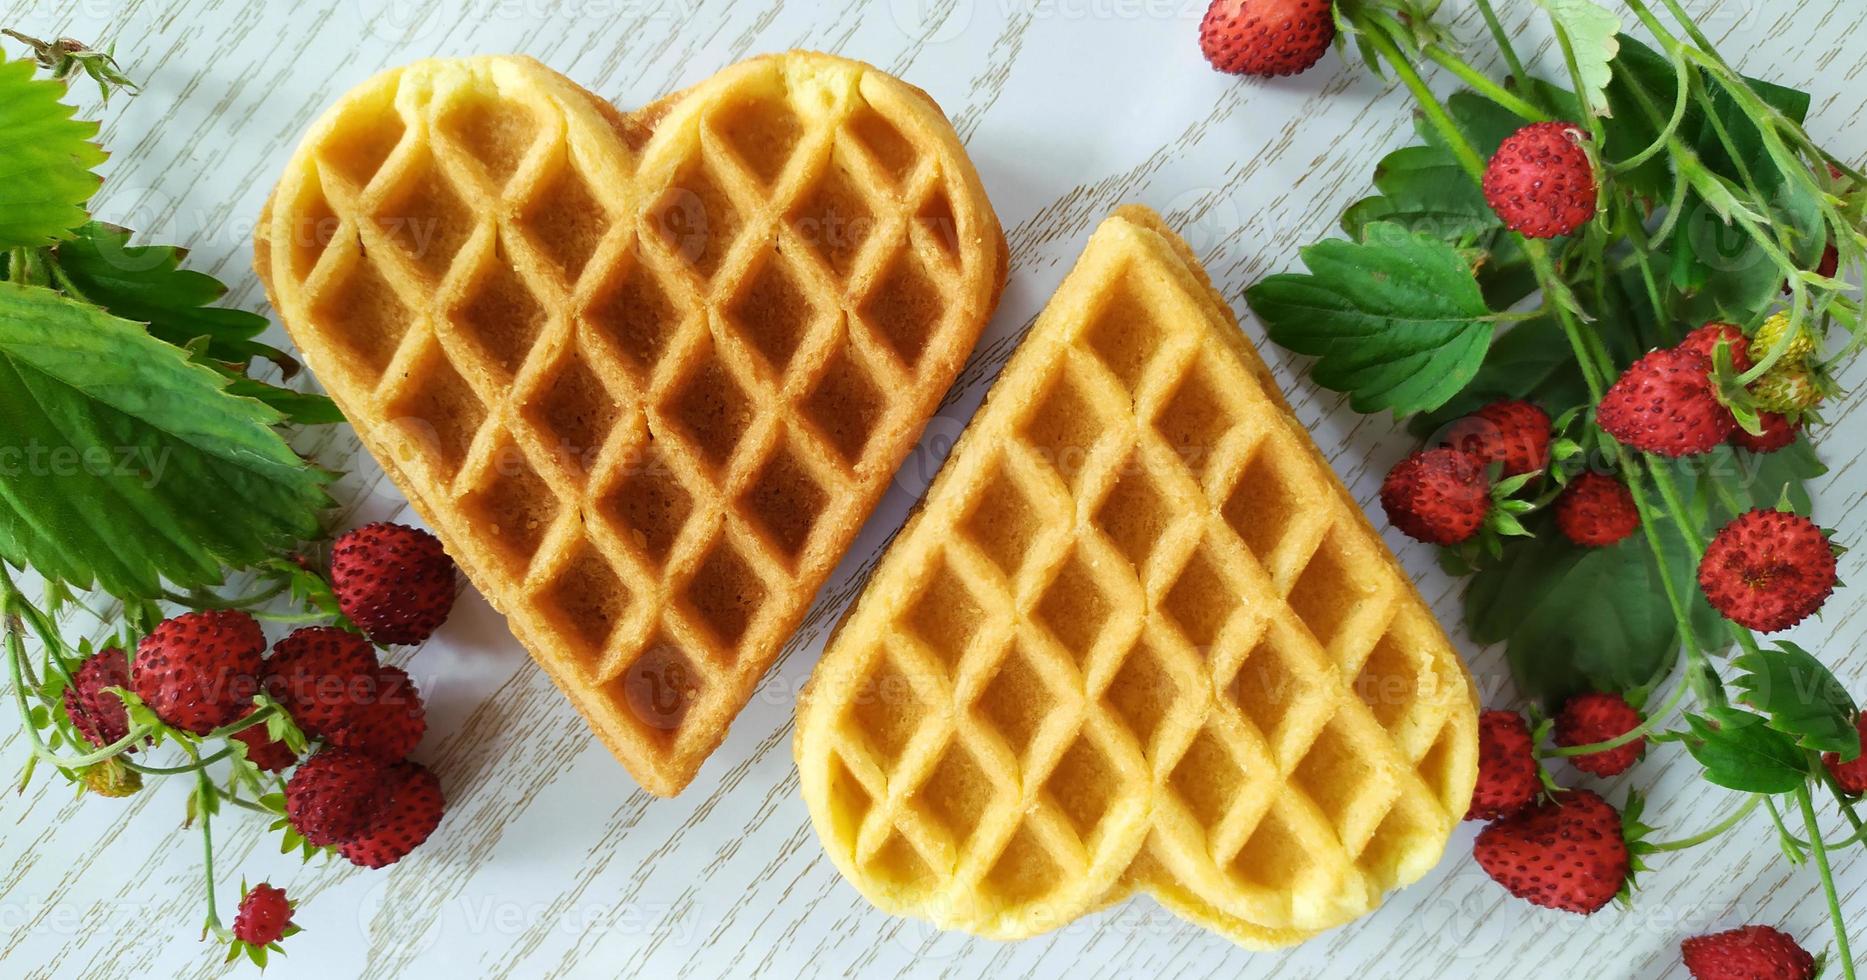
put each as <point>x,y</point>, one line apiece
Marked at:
<point>123,463</point>
<point>1801,697</point>
<point>1593,33</point>
<point>1423,189</point>
<point>46,159</point>
<point>1396,321</point>
<point>1739,751</point>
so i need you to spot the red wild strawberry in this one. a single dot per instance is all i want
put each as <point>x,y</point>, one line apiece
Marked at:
<point>265,915</point>
<point>1567,853</point>
<point>1778,433</point>
<point>320,674</point>
<point>1266,38</point>
<point>409,809</point>
<point>1439,496</point>
<point>331,796</point>
<point>1749,953</point>
<point>99,715</point>
<point>1514,433</point>
<point>264,751</point>
<point>1768,570</point>
<point>388,725</point>
<point>199,671</point>
<point>1540,181</point>
<point>1595,511</point>
<point>1589,718</point>
<point>1507,771</point>
<point>393,580</point>
<point>1664,404</point>
<point>1705,341</point>
<point>1850,776</point>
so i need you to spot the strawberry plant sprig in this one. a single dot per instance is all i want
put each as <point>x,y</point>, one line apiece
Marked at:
<point>1656,251</point>
<point>145,468</point>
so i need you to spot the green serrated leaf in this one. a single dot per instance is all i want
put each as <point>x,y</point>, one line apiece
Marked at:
<point>1594,36</point>
<point>1396,321</point>
<point>1801,697</point>
<point>1739,751</point>
<point>46,159</point>
<point>1423,189</point>
<point>130,464</point>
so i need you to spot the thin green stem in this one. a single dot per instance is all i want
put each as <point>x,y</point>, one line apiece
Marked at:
<point>1667,132</point>
<point>1483,85</point>
<point>1796,845</point>
<point>176,770</point>
<point>1502,37</point>
<point>206,795</point>
<point>1715,830</point>
<point>1654,719</point>
<point>1820,850</point>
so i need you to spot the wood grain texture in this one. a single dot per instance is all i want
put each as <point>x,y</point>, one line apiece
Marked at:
<point>550,862</point>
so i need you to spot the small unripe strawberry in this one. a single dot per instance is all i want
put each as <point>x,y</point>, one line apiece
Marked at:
<point>1266,38</point>
<point>1801,345</point>
<point>1541,182</point>
<point>1789,388</point>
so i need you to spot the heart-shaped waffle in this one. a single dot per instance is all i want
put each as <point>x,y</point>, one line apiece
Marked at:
<point>645,374</point>
<point>1138,638</point>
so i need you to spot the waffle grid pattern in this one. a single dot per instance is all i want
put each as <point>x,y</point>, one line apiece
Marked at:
<point>646,393</point>
<point>1138,638</point>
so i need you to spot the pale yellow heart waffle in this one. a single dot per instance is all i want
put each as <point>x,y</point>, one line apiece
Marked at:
<point>1138,638</point>
<point>645,374</point>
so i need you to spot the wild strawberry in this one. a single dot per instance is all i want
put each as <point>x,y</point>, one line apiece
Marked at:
<point>389,724</point>
<point>1664,404</point>
<point>264,917</point>
<point>1851,776</point>
<point>1439,496</point>
<point>269,754</point>
<point>1749,953</point>
<point>1768,570</point>
<point>1565,853</point>
<point>320,674</point>
<point>1778,433</point>
<point>409,809</point>
<point>1595,511</point>
<point>394,581</point>
<point>332,794</point>
<point>1507,770</point>
<point>199,670</point>
<point>1800,347</point>
<point>1540,181</point>
<point>1590,718</point>
<point>111,779</point>
<point>1266,38</point>
<point>1514,433</point>
<point>97,714</point>
<point>1705,341</point>
<point>1792,388</point>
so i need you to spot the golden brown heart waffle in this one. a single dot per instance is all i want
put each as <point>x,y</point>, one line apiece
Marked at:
<point>1138,638</point>
<point>645,374</point>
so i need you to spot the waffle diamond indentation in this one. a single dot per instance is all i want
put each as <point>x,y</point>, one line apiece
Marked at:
<point>785,500</point>
<point>1200,600</point>
<point>958,793</point>
<point>1208,778</point>
<point>1329,592</point>
<point>362,314</point>
<point>696,219</point>
<point>945,615</point>
<point>576,411</point>
<point>1143,693</point>
<point>1004,523</point>
<point>1135,513</point>
<point>905,307</point>
<point>567,221</point>
<point>427,219</point>
<point>1017,701</point>
<point>772,312</point>
<point>884,142</point>
<point>846,406</point>
<point>660,686</point>
<point>1074,608</point>
<point>1194,420</point>
<point>725,593</point>
<point>648,505</point>
<point>761,134</point>
<point>886,710</point>
<point>712,410</point>
<point>634,314</point>
<point>1259,506</point>
<point>1064,426</point>
<point>1083,785</point>
<point>501,314</point>
<point>586,600</point>
<point>514,508</point>
<point>358,151</point>
<point>500,131</point>
<point>1267,690</point>
<point>834,218</point>
<point>1123,334</point>
<point>440,414</point>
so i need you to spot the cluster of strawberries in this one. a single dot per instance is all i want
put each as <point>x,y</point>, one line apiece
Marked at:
<point>358,792</point>
<point>1572,850</point>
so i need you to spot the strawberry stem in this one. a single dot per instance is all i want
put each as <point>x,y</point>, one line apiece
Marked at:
<point>1820,850</point>
<point>1714,831</point>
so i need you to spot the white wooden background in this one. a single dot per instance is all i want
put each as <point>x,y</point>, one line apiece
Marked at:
<point>550,862</point>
